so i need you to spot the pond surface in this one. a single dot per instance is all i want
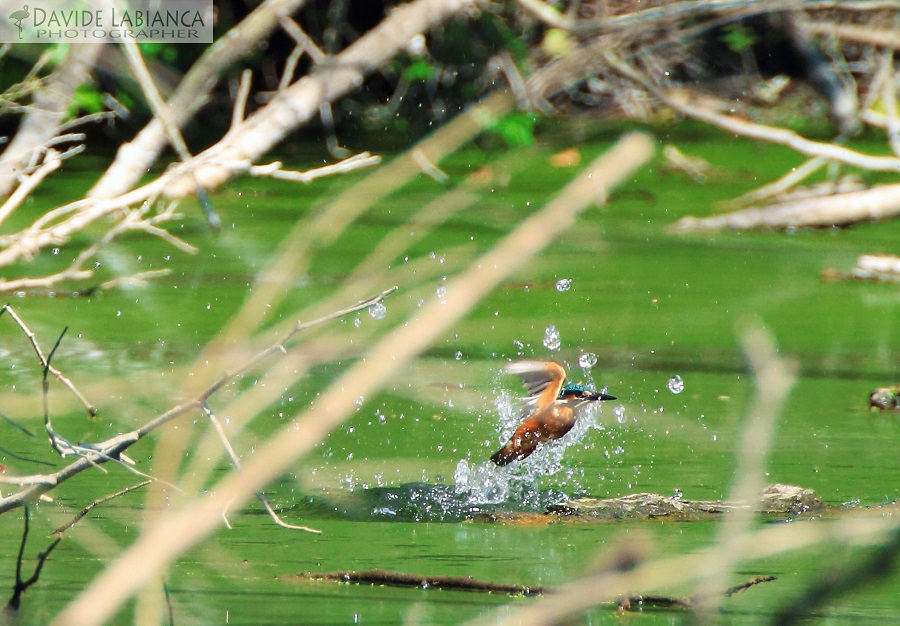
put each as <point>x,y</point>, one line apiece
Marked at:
<point>404,483</point>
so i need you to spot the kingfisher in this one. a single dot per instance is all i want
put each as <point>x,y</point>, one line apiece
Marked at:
<point>551,408</point>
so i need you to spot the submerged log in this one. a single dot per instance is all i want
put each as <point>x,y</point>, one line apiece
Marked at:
<point>388,578</point>
<point>400,579</point>
<point>776,499</point>
<point>885,399</point>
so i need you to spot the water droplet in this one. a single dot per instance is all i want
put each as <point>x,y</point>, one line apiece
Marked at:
<point>55,250</point>
<point>675,384</point>
<point>587,360</point>
<point>551,338</point>
<point>441,292</point>
<point>357,322</point>
<point>378,311</point>
<point>619,412</point>
<point>459,356</point>
<point>563,284</point>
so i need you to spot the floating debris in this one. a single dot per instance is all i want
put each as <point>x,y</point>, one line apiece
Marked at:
<point>885,399</point>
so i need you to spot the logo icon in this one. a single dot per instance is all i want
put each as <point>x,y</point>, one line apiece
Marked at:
<point>18,16</point>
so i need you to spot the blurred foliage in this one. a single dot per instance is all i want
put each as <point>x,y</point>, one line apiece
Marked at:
<point>738,37</point>
<point>516,129</point>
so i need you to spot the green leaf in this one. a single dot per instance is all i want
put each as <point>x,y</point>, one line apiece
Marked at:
<point>739,38</point>
<point>86,99</point>
<point>516,129</point>
<point>419,70</point>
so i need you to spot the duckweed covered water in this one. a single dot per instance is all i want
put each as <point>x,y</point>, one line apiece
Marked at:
<point>406,483</point>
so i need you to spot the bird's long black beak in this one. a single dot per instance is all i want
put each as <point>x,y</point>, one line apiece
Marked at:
<point>601,396</point>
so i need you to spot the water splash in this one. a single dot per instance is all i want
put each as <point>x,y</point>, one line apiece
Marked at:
<point>675,384</point>
<point>378,311</point>
<point>552,339</point>
<point>563,284</point>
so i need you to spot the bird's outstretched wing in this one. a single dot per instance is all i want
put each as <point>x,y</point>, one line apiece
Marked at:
<point>543,381</point>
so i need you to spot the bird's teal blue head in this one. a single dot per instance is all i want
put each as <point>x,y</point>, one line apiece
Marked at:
<point>570,389</point>
<point>574,392</point>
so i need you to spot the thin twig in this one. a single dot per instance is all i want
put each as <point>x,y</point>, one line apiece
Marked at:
<point>62,529</point>
<point>159,106</point>
<point>51,163</point>
<point>240,99</point>
<point>45,363</point>
<point>752,130</point>
<point>21,586</point>
<point>235,461</point>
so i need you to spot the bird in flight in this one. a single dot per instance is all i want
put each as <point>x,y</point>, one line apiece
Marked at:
<point>551,408</point>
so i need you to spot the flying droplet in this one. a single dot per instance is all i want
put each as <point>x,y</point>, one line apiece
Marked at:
<point>378,311</point>
<point>619,412</point>
<point>551,338</point>
<point>675,384</point>
<point>587,360</point>
<point>563,284</point>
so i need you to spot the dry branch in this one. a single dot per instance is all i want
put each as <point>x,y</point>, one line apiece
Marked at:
<point>62,529</point>
<point>752,130</point>
<point>401,579</point>
<point>842,209</point>
<point>300,102</point>
<point>21,586</point>
<point>135,158</point>
<point>45,117</point>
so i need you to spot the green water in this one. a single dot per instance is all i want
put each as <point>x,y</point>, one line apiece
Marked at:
<point>647,303</point>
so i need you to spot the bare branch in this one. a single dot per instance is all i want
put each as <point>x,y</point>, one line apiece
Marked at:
<point>757,131</point>
<point>835,210</point>
<point>62,529</point>
<point>30,183</point>
<point>45,363</point>
<point>237,466</point>
<point>133,159</point>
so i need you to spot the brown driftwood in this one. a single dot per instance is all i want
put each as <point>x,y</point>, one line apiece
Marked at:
<point>389,578</point>
<point>400,579</point>
<point>638,602</point>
